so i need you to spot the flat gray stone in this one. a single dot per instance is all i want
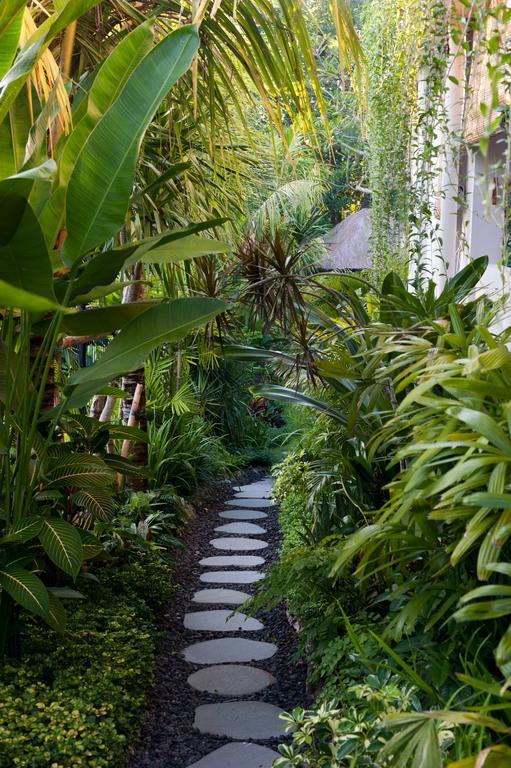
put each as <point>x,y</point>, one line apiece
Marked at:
<point>258,486</point>
<point>220,597</point>
<point>255,503</point>
<point>240,720</point>
<point>231,577</point>
<point>253,494</point>
<point>232,561</point>
<point>242,514</point>
<point>255,491</point>
<point>238,755</point>
<point>244,529</point>
<point>229,649</point>
<point>238,544</point>
<point>221,621</point>
<point>231,680</point>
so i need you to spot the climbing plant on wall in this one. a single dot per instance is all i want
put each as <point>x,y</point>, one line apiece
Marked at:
<point>391,48</point>
<point>412,47</point>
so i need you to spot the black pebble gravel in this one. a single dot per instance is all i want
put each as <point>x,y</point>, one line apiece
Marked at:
<point>168,739</point>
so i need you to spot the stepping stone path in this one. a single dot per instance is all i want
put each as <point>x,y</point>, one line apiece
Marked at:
<point>238,755</point>
<point>238,544</point>
<point>232,561</point>
<point>245,529</point>
<point>221,621</point>
<point>243,514</point>
<point>250,503</point>
<point>231,679</point>
<point>226,663</point>
<point>231,577</point>
<point>220,596</point>
<point>240,720</point>
<point>229,649</point>
<point>259,490</point>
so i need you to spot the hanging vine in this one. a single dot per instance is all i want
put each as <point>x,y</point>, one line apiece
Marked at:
<point>411,46</point>
<point>390,33</point>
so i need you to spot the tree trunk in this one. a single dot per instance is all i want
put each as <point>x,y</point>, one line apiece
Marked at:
<point>51,389</point>
<point>135,383</point>
<point>134,414</point>
<point>108,408</point>
<point>97,405</point>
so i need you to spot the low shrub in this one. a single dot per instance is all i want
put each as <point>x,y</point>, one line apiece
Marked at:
<point>185,453</point>
<point>75,700</point>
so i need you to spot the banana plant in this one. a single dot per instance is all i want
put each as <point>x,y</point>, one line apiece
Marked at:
<point>59,221</point>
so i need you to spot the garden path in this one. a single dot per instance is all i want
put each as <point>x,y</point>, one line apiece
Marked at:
<point>218,691</point>
<point>226,663</point>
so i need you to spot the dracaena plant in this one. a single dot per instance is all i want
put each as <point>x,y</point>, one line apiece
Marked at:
<point>58,222</point>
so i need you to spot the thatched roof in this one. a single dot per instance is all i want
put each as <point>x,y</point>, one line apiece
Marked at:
<point>348,243</point>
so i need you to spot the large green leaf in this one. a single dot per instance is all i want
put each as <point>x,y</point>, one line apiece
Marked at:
<point>93,322</point>
<point>162,323</point>
<point>82,470</point>
<point>26,589</point>
<point>10,39</point>
<point>57,616</point>
<point>121,432</point>
<point>125,466</point>
<point>103,290</point>
<point>10,296</point>
<point>457,287</point>
<point>105,267</point>
<point>24,259</point>
<point>63,545</point>
<point>28,528</point>
<point>171,173</point>
<point>292,397</point>
<point>91,544</point>
<point>190,247</point>
<point>102,179</point>
<point>14,80</point>
<point>484,424</point>
<point>98,503</point>
<point>104,90</point>
<point>101,270</point>
<point>9,12</point>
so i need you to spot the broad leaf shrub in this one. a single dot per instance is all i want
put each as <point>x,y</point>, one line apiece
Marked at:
<point>76,700</point>
<point>406,566</point>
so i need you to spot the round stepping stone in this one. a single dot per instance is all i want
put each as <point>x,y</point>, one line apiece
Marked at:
<point>240,720</point>
<point>238,755</point>
<point>242,514</point>
<point>234,561</point>
<point>221,621</point>
<point>252,495</point>
<point>254,492</point>
<point>255,503</point>
<point>231,577</point>
<point>244,529</point>
<point>239,544</point>
<point>231,680</point>
<point>220,597</point>
<point>257,486</point>
<point>229,649</point>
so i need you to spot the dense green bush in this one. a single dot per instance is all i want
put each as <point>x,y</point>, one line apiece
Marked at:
<point>185,453</point>
<point>407,485</point>
<point>75,700</point>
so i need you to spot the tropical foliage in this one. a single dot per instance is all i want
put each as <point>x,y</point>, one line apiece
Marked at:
<point>168,173</point>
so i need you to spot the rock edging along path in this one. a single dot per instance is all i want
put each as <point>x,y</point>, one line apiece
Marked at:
<point>222,678</point>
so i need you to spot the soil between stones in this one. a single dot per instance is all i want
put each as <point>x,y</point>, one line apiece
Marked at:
<point>168,738</point>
